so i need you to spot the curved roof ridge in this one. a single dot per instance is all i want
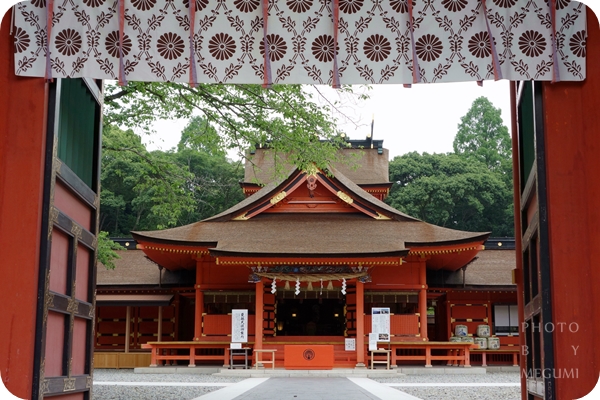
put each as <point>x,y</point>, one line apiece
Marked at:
<point>366,196</point>
<point>260,194</point>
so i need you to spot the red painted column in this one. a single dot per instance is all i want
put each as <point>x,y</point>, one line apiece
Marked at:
<point>258,314</point>
<point>199,309</point>
<point>571,126</point>
<point>360,324</point>
<point>22,148</point>
<point>423,299</point>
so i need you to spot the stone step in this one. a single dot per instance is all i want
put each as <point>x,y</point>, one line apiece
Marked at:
<point>350,372</point>
<point>279,372</point>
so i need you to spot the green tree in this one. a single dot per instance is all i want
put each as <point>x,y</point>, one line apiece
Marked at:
<point>144,190</point>
<point>483,136</point>
<point>201,135</point>
<point>215,180</point>
<point>451,191</point>
<point>140,189</point>
<point>285,117</point>
<point>106,250</point>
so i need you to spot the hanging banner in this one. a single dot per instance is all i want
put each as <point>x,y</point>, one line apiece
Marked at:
<point>239,326</point>
<point>369,42</point>
<point>380,323</point>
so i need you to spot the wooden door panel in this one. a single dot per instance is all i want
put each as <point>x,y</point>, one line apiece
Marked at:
<point>65,327</point>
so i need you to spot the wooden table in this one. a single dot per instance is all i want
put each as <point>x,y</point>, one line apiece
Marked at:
<point>380,351</point>
<point>259,360</point>
<point>238,352</point>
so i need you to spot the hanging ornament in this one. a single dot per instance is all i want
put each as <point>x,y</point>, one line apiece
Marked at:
<point>330,286</point>
<point>309,287</point>
<point>321,287</point>
<point>343,286</point>
<point>287,285</point>
<point>274,286</point>
<point>297,286</point>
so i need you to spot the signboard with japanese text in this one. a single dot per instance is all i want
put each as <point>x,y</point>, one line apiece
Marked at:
<point>350,344</point>
<point>380,323</point>
<point>239,326</point>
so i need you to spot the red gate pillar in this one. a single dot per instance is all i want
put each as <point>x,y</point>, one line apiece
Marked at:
<point>360,324</point>
<point>423,300</point>
<point>258,315</point>
<point>199,306</point>
<point>22,155</point>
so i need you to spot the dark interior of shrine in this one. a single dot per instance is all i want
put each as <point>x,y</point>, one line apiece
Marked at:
<point>310,317</point>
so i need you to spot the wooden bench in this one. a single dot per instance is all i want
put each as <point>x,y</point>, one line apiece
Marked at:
<point>485,352</point>
<point>459,352</point>
<point>171,350</point>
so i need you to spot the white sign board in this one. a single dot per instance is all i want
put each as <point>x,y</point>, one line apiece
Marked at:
<point>235,345</point>
<point>380,323</point>
<point>239,326</point>
<point>350,344</point>
<point>373,341</point>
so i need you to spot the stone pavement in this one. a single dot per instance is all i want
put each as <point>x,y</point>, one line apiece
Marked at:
<point>307,389</point>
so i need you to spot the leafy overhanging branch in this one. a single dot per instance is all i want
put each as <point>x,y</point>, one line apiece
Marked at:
<point>284,117</point>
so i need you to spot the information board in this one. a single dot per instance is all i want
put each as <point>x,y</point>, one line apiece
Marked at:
<point>380,323</point>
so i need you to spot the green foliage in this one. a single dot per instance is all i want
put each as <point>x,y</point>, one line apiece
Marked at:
<point>235,116</point>
<point>468,190</point>
<point>140,189</point>
<point>200,135</point>
<point>214,183</point>
<point>451,191</point>
<point>106,250</point>
<point>483,136</point>
<point>144,190</point>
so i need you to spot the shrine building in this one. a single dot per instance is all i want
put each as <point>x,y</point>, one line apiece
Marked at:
<point>52,105</point>
<point>309,256</point>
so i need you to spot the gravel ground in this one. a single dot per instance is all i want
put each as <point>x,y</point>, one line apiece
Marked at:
<point>149,392</point>
<point>490,377</point>
<point>127,375</point>
<point>453,393</point>
<point>460,393</point>
<point>105,392</point>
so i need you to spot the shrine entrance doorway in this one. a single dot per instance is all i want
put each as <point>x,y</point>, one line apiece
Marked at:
<point>310,317</point>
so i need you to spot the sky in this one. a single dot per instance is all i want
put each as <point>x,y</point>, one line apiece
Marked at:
<point>423,118</point>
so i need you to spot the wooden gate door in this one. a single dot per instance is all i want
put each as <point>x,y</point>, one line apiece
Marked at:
<point>64,325</point>
<point>534,285</point>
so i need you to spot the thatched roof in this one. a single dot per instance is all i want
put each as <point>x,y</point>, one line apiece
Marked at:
<point>492,267</point>
<point>135,268</point>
